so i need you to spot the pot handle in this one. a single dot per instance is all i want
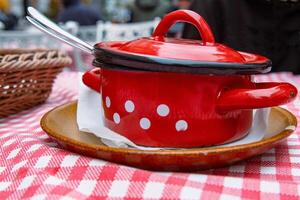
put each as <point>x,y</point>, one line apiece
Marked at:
<point>187,16</point>
<point>92,79</point>
<point>263,95</point>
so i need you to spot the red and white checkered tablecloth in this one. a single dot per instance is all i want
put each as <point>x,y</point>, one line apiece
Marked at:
<point>33,166</point>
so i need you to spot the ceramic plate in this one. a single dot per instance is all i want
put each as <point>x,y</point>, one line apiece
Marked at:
<point>60,124</point>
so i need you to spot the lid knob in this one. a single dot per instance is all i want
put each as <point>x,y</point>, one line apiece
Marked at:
<point>187,16</point>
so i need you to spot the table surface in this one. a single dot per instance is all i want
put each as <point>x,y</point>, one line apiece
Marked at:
<point>34,166</point>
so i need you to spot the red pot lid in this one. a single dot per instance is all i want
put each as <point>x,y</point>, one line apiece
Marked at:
<point>158,53</point>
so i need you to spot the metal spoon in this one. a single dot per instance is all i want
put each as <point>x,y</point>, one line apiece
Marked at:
<point>44,24</point>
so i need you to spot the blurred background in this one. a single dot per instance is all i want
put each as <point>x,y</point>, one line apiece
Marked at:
<point>87,12</point>
<point>267,27</point>
<point>90,20</point>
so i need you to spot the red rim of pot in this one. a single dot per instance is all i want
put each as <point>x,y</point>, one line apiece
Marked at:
<point>158,53</point>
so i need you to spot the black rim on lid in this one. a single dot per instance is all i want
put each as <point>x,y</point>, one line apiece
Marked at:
<point>118,60</point>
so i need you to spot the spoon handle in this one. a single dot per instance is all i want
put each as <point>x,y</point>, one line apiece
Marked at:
<point>47,26</point>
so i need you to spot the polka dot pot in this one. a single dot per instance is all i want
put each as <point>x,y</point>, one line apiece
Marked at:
<point>177,109</point>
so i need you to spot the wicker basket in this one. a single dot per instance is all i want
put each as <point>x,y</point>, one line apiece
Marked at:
<point>26,77</point>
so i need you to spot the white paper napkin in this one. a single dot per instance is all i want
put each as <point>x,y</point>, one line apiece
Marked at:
<point>89,120</point>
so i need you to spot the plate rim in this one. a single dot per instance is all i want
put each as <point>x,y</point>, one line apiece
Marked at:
<point>204,150</point>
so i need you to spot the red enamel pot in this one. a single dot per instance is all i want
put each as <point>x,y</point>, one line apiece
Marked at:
<point>164,92</point>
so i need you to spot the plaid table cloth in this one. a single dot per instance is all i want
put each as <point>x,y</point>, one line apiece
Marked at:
<point>32,166</point>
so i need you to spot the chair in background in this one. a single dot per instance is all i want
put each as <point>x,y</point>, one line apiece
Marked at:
<point>87,34</point>
<point>26,39</point>
<point>107,31</point>
<point>84,60</point>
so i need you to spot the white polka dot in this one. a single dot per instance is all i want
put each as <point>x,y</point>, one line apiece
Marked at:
<point>145,123</point>
<point>162,110</point>
<point>129,106</point>
<point>116,117</point>
<point>107,102</point>
<point>181,125</point>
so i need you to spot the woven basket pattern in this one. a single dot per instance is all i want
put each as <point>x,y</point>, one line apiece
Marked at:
<point>27,76</point>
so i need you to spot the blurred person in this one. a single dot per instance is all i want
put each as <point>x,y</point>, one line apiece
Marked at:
<point>8,19</point>
<point>267,27</point>
<point>74,10</point>
<point>4,5</point>
<point>146,10</point>
<point>53,9</point>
